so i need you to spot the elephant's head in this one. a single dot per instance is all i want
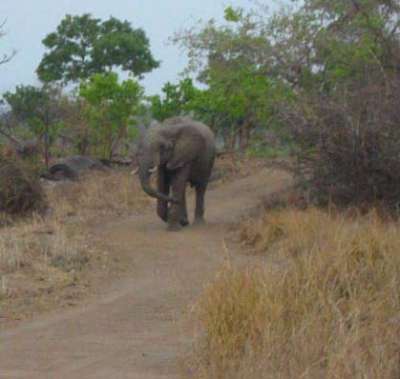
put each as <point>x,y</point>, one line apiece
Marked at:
<point>154,150</point>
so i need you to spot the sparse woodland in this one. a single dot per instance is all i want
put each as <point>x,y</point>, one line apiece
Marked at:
<point>315,84</point>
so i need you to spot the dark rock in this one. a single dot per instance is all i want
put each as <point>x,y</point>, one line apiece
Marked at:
<point>73,167</point>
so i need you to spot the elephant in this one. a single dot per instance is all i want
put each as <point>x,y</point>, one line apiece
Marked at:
<point>181,151</point>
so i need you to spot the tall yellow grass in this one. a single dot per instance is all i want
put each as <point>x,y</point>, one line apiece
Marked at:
<point>98,194</point>
<point>325,305</point>
<point>55,246</point>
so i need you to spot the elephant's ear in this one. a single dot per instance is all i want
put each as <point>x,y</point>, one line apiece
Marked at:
<point>187,147</point>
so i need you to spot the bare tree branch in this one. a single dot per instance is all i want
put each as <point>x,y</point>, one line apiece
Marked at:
<point>11,138</point>
<point>6,57</point>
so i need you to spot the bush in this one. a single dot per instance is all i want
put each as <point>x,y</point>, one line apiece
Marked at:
<point>348,144</point>
<point>20,190</point>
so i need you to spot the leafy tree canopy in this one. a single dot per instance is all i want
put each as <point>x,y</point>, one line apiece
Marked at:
<point>82,46</point>
<point>38,109</point>
<point>111,106</point>
<point>176,99</point>
<point>323,44</point>
<point>35,107</point>
<point>229,60</point>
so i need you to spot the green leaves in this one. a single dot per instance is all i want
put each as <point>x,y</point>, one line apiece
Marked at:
<point>83,46</point>
<point>339,41</point>
<point>233,15</point>
<point>38,109</point>
<point>35,107</point>
<point>176,100</point>
<point>110,107</point>
<point>232,60</point>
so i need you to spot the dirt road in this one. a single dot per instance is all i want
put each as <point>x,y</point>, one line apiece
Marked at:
<point>136,328</point>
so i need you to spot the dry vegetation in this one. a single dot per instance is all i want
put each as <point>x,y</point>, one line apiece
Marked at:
<point>231,166</point>
<point>49,257</point>
<point>42,255</point>
<point>98,194</point>
<point>324,304</point>
<point>20,191</point>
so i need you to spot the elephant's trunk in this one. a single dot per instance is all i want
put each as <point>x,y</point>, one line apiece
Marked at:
<point>145,183</point>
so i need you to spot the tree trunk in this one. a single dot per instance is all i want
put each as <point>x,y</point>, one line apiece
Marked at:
<point>244,135</point>
<point>232,138</point>
<point>83,145</point>
<point>46,147</point>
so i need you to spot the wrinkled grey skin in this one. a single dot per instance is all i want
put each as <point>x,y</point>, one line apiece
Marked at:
<point>182,151</point>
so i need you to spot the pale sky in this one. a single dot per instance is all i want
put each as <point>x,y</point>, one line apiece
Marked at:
<point>29,21</point>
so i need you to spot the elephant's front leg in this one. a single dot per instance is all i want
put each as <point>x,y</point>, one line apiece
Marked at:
<point>184,221</point>
<point>163,186</point>
<point>177,213</point>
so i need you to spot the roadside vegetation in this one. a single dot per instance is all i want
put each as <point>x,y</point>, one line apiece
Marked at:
<point>313,86</point>
<point>319,299</point>
<point>324,304</point>
<point>45,259</point>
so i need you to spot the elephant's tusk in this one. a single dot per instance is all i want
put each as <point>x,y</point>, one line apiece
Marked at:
<point>153,170</point>
<point>135,171</point>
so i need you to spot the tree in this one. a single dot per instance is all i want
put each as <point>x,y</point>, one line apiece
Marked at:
<point>75,130</point>
<point>177,99</point>
<point>110,108</point>
<point>323,44</point>
<point>228,59</point>
<point>83,46</point>
<point>37,108</point>
<point>343,60</point>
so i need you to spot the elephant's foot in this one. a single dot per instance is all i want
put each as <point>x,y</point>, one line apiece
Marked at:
<point>184,222</point>
<point>165,219</point>
<point>199,221</point>
<point>175,227</point>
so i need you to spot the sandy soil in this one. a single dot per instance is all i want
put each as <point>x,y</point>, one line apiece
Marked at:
<point>137,327</point>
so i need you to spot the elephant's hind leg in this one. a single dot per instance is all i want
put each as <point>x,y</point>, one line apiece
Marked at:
<point>199,210</point>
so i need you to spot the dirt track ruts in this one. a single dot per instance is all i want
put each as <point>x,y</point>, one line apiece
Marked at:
<point>136,329</point>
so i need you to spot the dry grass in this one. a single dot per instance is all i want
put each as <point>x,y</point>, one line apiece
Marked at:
<point>326,306</point>
<point>98,194</point>
<point>231,166</point>
<point>41,255</point>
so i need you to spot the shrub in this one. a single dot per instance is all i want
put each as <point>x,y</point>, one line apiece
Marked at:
<point>348,145</point>
<point>20,190</point>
